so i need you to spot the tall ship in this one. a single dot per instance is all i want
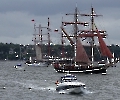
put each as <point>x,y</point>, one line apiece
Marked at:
<point>84,60</point>
<point>41,37</point>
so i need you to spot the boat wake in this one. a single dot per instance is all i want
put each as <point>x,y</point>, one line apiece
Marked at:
<point>32,86</point>
<point>83,91</point>
<point>35,87</point>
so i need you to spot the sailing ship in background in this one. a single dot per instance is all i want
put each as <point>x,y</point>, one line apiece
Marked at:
<point>39,40</point>
<point>83,62</point>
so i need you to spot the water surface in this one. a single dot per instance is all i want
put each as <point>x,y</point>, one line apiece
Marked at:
<point>38,83</point>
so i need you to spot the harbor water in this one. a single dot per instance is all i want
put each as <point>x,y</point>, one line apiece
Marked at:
<point>38,83</point>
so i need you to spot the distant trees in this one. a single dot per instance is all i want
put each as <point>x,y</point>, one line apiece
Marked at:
<point>12,51</point>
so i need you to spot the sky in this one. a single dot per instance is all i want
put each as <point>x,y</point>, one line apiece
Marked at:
<point>16,15</point>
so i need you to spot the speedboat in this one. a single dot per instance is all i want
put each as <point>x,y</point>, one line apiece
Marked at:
<point>69,83</point>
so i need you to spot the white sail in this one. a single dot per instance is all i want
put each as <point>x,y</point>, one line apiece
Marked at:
<point>38,52</point>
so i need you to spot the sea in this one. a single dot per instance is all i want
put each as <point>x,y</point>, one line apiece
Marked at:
<point>38,83</point>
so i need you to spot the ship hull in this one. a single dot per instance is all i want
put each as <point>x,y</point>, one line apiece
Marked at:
<point>87,71</point>
<point>71,89</point>
<point>98,68</point>
<point>72,69</point>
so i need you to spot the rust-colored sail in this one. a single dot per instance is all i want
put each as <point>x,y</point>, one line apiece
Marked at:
<point>104,49</point>
<point>81,55</point>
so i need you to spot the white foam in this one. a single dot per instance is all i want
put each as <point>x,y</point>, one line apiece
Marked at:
<point>85,91</point>
<point>32,86</point>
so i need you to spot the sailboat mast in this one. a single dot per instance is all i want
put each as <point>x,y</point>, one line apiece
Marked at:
<point>92,15</point>
<point>41,37</point>
<point>75,33</point>
<point>48,38</point>
<point>74,41</point>
<point>35,34</point>
<point>62,41</point>
<point>92,29</point>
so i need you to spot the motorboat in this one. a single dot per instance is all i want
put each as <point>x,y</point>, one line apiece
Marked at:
<point>18,65</point>
<point>69,83</point>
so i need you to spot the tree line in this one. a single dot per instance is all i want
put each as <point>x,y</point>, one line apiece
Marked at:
<point>10,51</point>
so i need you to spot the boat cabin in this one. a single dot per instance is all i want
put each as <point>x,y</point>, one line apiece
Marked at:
<point>68,78</point>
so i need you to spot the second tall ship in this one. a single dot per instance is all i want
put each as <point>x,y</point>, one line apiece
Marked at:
<point>40,38</point>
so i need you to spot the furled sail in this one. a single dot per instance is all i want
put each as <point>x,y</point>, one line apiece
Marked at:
<point>81,55</point>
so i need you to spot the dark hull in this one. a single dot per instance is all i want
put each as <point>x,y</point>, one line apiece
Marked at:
<point>87,70</point>
<point>98,68</point>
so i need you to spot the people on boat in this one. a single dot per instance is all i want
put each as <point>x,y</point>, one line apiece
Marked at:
<point>57,82</point>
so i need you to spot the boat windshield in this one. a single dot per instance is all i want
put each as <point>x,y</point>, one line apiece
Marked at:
<point>68,78</point>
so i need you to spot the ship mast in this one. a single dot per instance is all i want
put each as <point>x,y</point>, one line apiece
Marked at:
<point>37,42</point>
<point>62,40</point>
<point>92,31</point>
<point>40,40</point>
<point>75,36</point>
<point>48,37</point>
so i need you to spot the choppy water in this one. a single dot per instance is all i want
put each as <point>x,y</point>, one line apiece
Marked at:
<point>37,83</point>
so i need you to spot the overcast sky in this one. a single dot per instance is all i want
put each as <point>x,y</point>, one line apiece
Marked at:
<point>16,15</point>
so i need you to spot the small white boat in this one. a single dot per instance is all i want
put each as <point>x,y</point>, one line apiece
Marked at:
<point>69,83</point>
<point>39,64</point>
<point>18,65</point>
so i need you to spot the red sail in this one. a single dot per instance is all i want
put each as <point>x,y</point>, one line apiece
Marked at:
<point>104,49</point>
<point>81,55</point>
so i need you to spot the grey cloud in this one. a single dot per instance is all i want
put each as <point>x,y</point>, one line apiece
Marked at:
<point>16,15</point>
<point>45,7</point>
